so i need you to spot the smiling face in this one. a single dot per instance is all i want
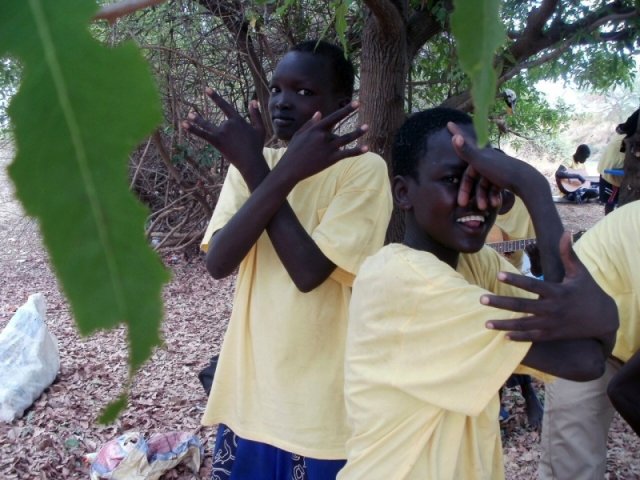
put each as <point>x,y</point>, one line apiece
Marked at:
<point>434,221</point>
<point>302,84</point>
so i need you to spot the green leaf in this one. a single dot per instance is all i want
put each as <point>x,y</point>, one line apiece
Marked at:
<point>80,110</point>
<point>479,32</point>
<point>112,410</point>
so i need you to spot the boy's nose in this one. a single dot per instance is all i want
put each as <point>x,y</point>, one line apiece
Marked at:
<point>283,100</point>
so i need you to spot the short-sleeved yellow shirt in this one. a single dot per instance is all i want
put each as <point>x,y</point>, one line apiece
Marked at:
<point>422,372</point>
<point>611,158</point>
<point>280,375</point>
<point>611,252</point>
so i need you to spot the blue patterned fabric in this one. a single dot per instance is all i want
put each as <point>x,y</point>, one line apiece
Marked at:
<point>236,458</point>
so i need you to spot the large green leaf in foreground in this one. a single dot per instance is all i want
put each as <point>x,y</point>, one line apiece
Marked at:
<point>478,30</point>
<point>80,110</point>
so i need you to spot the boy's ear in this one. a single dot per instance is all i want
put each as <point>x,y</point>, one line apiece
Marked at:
<point>400,191</point>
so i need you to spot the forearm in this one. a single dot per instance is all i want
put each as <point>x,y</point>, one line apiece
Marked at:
<point>232,243</point>
<point>624,392</point>
<point>547,224</point>
<point>577,360</point>
<point>268,210</point>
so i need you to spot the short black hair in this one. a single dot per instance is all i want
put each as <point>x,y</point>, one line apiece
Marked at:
<point>629,126</point>
<point>410,143</point>
<point>343,71</point>
<point>583,151</point>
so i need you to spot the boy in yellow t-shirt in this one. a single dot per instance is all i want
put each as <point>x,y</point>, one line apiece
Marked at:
<point>296,222</point>
<point>422,370</point>
<point>578,415</point>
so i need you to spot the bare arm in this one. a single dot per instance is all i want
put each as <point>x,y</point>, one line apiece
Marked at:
<point>574,352</point>
<point>563,173</point>
<point>566,317</point>
<point>624,392</point>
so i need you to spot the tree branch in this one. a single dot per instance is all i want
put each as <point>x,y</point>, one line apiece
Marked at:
<point>114,11</point>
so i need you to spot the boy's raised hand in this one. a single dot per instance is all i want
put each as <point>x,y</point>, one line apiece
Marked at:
<point>314,147</point>
<point>238,141</point>
<point>493,170</point>
<point>576,308</point>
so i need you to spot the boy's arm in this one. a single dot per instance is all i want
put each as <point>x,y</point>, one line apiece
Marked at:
<point>624,392</point>
<point>576,359</point>
<point>267,207</point>
<point>572,324</point>
<point>562,172</point>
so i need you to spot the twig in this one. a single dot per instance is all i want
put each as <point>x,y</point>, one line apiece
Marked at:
<point>112,12</point>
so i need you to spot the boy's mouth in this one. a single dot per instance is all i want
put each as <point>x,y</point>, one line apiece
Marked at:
<point>472,221</point>
<point>281,121</point>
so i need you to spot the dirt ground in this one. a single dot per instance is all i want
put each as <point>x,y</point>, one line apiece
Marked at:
<point>52,438</point>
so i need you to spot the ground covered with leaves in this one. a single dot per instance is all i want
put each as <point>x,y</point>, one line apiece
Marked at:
<point>51,440</point>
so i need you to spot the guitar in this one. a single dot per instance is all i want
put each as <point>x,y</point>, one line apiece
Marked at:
<point>570,185</point>
<point>509,246</point>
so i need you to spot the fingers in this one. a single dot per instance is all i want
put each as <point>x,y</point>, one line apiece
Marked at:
<point>467,183</point>
<point>256,118</point>
<point>524,329</point>
<point>347,138</point>
<point>330,120</point>
<point>482,193</point>
<point>198,126</point>
<point>495,197</point>
<point>529,284</point>
<point>222,104</point>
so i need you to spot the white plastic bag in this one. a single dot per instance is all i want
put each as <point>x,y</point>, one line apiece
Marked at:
<point>29,359</point>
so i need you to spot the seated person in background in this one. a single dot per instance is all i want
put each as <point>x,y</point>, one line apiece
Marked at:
<point>577,416</point>
<point>570,177</point>
<point>423,362</point>
<point>514,223</point>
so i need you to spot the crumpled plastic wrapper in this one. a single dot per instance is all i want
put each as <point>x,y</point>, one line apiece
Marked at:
<point>132,457</point>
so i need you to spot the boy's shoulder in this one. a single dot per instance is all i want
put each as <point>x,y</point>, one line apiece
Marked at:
<point>396,261</point>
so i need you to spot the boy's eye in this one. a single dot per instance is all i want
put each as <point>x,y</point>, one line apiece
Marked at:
<point>452,179</point>
<point>305,92</point>
<point>274,89</point>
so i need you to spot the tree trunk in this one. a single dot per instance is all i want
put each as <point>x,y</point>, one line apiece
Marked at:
<point>383,73</point>
<point>630,187</point>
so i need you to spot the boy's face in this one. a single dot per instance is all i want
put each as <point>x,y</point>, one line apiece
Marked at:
<point>302,85</point>
<point>436,222</point>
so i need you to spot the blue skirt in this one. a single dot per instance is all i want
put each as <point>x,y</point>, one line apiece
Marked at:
<point>236,458</point>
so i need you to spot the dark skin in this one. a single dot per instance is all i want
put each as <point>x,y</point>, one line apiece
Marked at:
<point>573,359</point>
<point>304,108</point>
<point>624,392</point>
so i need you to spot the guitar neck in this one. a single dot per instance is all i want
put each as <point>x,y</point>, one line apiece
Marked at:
<point>511,245</point>
<point>515,245</point>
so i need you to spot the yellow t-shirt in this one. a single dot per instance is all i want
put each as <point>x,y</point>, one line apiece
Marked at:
<point>611,252</point>
<point>516,224</point>
<point>612,157</point>
<point>422,372</point>
<point>280,375</point>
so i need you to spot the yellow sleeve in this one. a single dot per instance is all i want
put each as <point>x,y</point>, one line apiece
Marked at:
<point>354,224</point>
<point>425,329</point>
<point>232,196</point>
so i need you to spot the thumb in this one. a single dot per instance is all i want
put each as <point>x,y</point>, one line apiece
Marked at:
<point>570,260</point>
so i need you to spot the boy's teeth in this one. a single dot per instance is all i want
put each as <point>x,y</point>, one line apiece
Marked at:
<point>471,218</point>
